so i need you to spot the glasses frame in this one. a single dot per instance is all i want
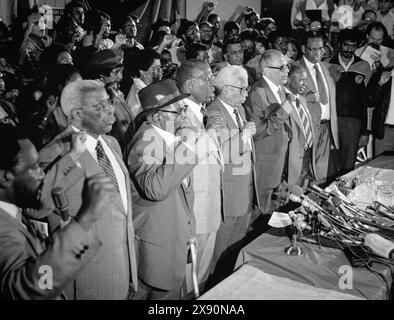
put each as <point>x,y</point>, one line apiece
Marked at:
<point>241,90</point>
<point>180,112</point>
<point>282,68</point>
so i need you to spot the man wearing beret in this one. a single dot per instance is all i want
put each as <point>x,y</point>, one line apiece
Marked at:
<point>160,158</point>
<point>107,66</point>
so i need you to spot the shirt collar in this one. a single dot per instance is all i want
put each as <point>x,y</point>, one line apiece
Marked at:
<point>195,108</point>
<point>342,63</point>
<point>229,108</point>
<point>10,208</point>
<point>91,142</point>
<point>309,64</point>
<point>275,88</point>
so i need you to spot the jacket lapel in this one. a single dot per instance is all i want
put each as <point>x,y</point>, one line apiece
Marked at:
<point>270,95</point>
<point>311,83</point>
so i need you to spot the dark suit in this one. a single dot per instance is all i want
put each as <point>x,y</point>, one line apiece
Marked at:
<point>22,255</point>
<point>327,133</point>
<point>239,192</point>
<point>271,140</point>
<point>162,210</point>
<point>113,273</point>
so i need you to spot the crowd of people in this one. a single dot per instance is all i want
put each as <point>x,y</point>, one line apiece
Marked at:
<point>169,153</point>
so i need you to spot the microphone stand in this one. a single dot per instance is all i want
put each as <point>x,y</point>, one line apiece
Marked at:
<point>294,250</point>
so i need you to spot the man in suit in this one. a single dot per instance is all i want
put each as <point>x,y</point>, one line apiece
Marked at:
<point>320,80</point>
<point>160,158</point>
<point>235,136</point>
<point>28,268</point>
<point>107,67</point>
<point>194,78</point>
<point>269,109</point>
<point>113,273</point>
<point>301,162</point>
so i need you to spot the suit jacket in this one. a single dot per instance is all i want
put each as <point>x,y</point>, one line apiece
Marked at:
<point>273,134</point>
<point>379,99</point>
<point>331,92</point>
<point>22,255</point>
<point>239,177</point>
<point>163,208</point>
<point>113,272</point>
<point>207,183</point>
<point>123,127</point>
<point>298,143</point>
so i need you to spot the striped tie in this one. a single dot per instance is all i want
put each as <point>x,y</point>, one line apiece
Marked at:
<point>237,117</point>
<point>306,124</point>
<point>105,164</point>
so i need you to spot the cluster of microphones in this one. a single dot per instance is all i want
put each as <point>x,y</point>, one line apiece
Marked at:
<point>328,214</point>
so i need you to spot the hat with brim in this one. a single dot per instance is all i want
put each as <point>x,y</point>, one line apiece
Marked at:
<point>159,95</point>
<point>107,59</point>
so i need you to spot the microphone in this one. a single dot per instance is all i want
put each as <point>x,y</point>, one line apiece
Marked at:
<point>61,202</point>
<point>307,203</point>
<point>379,245</point>
<point>297,191</point>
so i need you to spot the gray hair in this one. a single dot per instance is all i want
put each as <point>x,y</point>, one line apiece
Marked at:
<point>268,56</point>
<point>75,94</point>
<point>228,75</point>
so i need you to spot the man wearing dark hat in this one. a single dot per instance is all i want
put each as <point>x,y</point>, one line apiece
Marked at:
<point>353,75</point>
<point>163,209</point>
<point>107,66</point>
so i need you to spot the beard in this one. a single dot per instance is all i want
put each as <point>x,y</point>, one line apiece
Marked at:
<point>26,198</point>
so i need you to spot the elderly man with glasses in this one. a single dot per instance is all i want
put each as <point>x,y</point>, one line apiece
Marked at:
<point>160,158</point>
<point>267,106</point>
<point>112,274</point>
<point>321,80</point>
<point>235,136</point>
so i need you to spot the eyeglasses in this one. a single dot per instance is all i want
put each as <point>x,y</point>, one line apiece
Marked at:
<point>181,112</point>
<point>281,68</point>
<point>321,49</point>
<point>208,78</point>
<point>241,90</point>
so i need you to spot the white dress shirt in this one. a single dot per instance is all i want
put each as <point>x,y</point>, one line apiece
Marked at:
<point>133,101</point>
<point>325,108</point>
<point>390,112</point>
<point>342,63</point>
<point>91,144</point>
<point>274,88</point>
<point>230,110</point>
<point>195,108</point>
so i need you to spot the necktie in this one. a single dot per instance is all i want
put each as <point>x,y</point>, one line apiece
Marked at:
<point>204,116</point>
<point>237,117</point>
<point>281,95</point>
<point>320,86</point>
<point>105,164</point>
<point>305,122</point>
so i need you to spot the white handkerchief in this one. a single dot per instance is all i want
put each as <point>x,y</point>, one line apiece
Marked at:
<point>280,220</point>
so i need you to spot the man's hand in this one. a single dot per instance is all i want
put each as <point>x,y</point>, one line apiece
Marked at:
<point>120,40</point>
<point>384,78</point>
<point>247,11</point>
<point>312,96</point>
<point>248,131</point>
<point>96,194</point>
<point>78,145</point>
<point>209,6</point>
<point>217,123</point>
<point>168,39</point>
<point>363,141</point>
<point>306,21</point>
<point>290,97</point>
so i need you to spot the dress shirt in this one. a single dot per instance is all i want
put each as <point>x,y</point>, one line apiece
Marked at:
<point>274,88</point>
<point>10,208</point>
<point>91,144</point>
<point>325,108</point>
<point>230,110</point>
<point>390,112</point>
<point>133,101</point>
<point>195,108</point>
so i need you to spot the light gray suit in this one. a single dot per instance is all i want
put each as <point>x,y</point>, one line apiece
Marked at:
<point>112,274</point>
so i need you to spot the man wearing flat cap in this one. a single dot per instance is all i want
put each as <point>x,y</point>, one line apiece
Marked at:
<point>160,165</point>
<point>107,66</point>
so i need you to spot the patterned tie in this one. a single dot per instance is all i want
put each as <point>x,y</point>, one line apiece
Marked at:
<point>204,117</point>
<point>306,124</point>
<point>320,86</point>
<point>105,164</point>
<point>282,95</point>
<point>237,117</point>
